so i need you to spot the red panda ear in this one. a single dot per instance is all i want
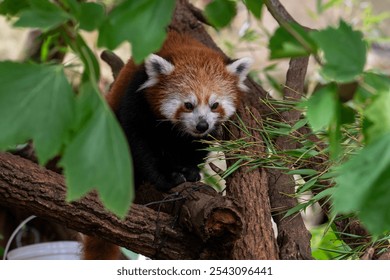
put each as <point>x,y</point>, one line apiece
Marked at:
<point>154,66</point>
<point>240,68</point>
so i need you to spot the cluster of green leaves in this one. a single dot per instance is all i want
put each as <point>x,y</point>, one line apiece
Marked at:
<point>361,184</point>
<point>38,103</point>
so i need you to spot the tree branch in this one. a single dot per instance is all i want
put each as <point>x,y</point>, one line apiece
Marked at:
<point>24,184</point>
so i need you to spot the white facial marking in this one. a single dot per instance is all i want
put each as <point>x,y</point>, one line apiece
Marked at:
<point>154,66</point>
<point>228,105</point>
<point>170,106</point>
<point>202,112</point>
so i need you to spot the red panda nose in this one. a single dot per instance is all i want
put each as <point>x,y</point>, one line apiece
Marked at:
<point>202,126</point>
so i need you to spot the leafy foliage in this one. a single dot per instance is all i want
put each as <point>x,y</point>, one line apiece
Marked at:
<point>362,186</point>
<point>321,107</point>
<point>128,20</point>
<point>351,125</point>
<point>98,155</point>
<point>344,51</point>
<point>37,103</point>
<point>291,40</point>
<point>220,12</point>
<point>42,14</point>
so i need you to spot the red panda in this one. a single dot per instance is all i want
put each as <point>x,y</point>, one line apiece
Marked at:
<point>178,96</point>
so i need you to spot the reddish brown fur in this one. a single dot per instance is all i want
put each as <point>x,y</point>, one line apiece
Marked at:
<point>98,249</point>
<point>181,49</point>
<point>120,85</point>
<point>206,75</point>
<point>198,69</point>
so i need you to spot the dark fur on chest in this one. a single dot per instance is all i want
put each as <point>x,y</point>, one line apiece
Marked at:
<point>161,154</point>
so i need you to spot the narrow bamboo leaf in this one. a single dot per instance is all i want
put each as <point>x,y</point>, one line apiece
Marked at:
<point>334,133</point>
<point>98,156</point>
<point>325,193</point>
<point>307,185</point>
<point>36,102</point>
<point>296,209</point>
<point>301,153</point>
<point>302,172</point>
<point>299,124</point>
<point>344,51</point>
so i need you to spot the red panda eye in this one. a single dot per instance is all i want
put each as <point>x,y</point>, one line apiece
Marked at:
<point>189,106</point>
<point>214,106</point>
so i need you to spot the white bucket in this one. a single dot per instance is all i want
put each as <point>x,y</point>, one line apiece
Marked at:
<point>58,250</point>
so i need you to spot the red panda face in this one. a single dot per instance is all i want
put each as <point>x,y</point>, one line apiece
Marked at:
<point>196,92</point>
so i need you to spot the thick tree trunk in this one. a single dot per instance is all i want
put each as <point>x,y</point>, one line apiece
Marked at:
<point>293,238</point>
<point>251,188</point>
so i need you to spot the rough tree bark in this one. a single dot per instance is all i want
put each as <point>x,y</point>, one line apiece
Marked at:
<point>150,232</point>
<point>25,185</point>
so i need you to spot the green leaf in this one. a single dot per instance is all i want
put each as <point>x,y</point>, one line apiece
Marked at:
<point>98,156</point>
<point>36,102</point>
<point>12,7</point>
<point>141,22</point>
<point>347,114</point>
<point>91,65</point>
<point>43,15</point>
<point>325,243</point>
<point>220,12</point>
<point>291,40</point>
<point>73,6</point>
<point>91,16</point>
<point>307,185</point>
<point>302,172</point>
<point>335,136</point>
<point>322,106</point>
<point>372,83</point>
<point>297,208</point>
<point>325,193</point>
<point>378,116</point>
<point>363,186</point>
<point>344,52</point>
<point>255,7</point>
<point>299,124</point>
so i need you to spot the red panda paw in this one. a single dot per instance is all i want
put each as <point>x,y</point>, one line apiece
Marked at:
<point>174,179</point>
<point>177,178</point>
<point>191,174</point>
